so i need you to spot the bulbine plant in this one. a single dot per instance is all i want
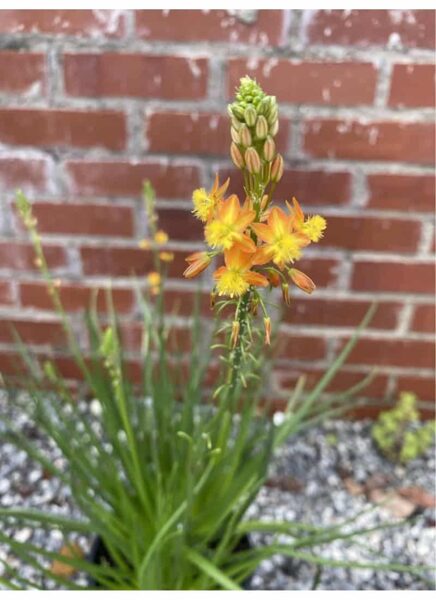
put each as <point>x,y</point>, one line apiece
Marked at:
<point>162,475</point>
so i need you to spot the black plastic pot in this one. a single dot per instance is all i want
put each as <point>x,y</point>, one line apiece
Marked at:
<point>99,554</point>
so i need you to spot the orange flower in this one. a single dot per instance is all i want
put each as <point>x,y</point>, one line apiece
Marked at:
<point>302,281</point>
<point>235,277</point>
<point>206,202</point>
<point>312,227</point>
<point>229,225</point>
<point>198,262</point>
<point>282,244</point>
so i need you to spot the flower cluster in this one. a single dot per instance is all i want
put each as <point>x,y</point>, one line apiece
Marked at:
<point>259,242</point>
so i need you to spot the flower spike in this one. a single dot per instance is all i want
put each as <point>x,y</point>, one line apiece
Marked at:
<point>258,241</point>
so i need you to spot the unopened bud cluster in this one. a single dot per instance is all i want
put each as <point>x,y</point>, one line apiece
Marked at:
<point>254,124</point>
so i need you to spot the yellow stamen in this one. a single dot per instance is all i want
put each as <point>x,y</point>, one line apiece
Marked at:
<point>232,283</point>
<point>204,204</point>
<point>314,228</point>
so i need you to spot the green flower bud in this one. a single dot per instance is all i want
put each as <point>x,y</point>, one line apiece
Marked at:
<point>252,160</point>
<point>274,128</point>
<point>261,128</point>
<point>250,115</point>
<point>273,115</point>
<point>238,112</point>
<point>236,156</point>
<point>272,104</point>
<point>236,124</point>
<point>245,136</point>
<point>263,106</point>
<point>277,168</point>
<point>235,135</point>
<point>269,149</point>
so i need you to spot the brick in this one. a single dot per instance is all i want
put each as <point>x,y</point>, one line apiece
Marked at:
<point>121,178</point>
<point>183,302</point>
<point>412,86</point>
<point>412,278</point>
<point>179,338</point>
<point>25,173</point>
<point>211,26</point>
<point>76,128</point>
<point>412,28</point>
<point>329,312</point>
<point>196,133</point>
<point>423,387</point>
<point>424,318</point>
<point>125,262</point>
<point>311,188</point>
<point>369,233</point>
<point>379,140</point>
<point>323,271</point>
<point>393,352</point>
<point>74,297</point>
<point>84,219</point>
<point>135,76</point>
<point>342,382</point>
<point>69,369</point>
<point>84,23</point>
<point>298,347</point>
<point>348,83</point>
<point>6,296</point>
<point>22,73</point>
<point>32,332</point>
<point>181,225</point>
<point>20,256</point>
<point>408,193</point>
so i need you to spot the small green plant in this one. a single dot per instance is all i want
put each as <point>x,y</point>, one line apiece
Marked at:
<point>398,433</point>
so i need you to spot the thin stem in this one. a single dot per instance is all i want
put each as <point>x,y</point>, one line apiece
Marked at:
<point>236,355</point>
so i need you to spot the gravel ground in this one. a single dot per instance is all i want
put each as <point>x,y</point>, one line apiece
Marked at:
<point>321,477</point>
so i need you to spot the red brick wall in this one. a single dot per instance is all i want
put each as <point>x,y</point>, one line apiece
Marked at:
<point>92,102</point>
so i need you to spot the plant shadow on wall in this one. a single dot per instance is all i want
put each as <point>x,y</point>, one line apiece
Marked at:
<point>162,479</point>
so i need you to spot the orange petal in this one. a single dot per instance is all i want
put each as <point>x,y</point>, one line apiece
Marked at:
<point>230,209</point>
<point>237,257</point>
<point>219,272</point>
<point>299,215</point>
<point>263,231</point>
<point>246,244</point>
<point>244,219</point>
<point>222,190</point>
<point>215,185</point>
<point>193,257</point>
<point>254,278</point>
<point>278,221</point>
<point>302,239</point>
<point>262,256</point>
